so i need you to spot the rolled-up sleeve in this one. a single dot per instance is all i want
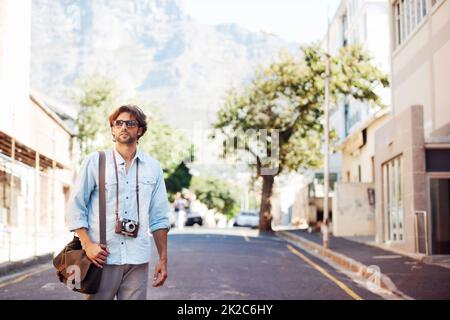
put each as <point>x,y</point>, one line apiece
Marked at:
<point>77,207</point>
<point>159,206</point>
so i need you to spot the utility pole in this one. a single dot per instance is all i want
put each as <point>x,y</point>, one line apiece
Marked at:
<point>325,222</point>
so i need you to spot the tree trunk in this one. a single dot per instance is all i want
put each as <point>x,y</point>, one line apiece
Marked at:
<point>265,213</point>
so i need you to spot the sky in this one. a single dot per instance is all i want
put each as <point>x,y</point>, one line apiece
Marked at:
<point>293,20</point>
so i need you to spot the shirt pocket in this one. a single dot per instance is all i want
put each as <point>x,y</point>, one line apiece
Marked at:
<point>110,187</point>
<point>146,186</point>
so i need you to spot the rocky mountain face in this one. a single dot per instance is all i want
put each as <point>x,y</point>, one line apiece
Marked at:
<point>150,47</point>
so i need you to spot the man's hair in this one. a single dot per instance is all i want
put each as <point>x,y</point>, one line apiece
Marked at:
<point>135,111</point>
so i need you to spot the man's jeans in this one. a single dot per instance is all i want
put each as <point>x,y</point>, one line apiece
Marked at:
<point>125,282</point>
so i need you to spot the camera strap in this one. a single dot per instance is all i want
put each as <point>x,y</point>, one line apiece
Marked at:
<point>117,185</point>
<point>102,197</point>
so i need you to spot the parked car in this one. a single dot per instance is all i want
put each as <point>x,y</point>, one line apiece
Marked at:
<point>193,218</point>
<point>247,219</point>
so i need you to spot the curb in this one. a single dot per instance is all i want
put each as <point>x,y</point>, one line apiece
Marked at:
<point>367,272</point>
<point>414,256</point>
<point>8,268</point>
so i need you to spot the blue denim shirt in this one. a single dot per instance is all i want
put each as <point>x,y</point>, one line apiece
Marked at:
<point>83,206</point>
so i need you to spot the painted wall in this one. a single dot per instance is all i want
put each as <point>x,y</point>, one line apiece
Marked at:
<point>352,213</point>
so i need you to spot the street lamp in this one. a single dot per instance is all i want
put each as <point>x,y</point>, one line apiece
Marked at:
<point>325,231</point>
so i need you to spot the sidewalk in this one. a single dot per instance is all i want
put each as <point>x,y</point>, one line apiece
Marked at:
<point>12,267</point>
<point>410,277</point>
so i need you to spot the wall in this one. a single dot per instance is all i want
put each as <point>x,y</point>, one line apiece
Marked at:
<point>421,71</point>
<point>353,157</point>
<point>46,135</point>
<point>352,213</point>
<point>303,210</point>
<point>402,136</point>
<point>32,210</point>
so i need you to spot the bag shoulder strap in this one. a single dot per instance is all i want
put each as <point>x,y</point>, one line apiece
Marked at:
<point>102,198</point>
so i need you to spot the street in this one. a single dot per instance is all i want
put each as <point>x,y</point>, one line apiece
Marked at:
<point>211,264</point>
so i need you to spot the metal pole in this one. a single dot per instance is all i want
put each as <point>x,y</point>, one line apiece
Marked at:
<point>36,200</point>
<point>425,216</point>
<point>11,194</point>
<point>416,230</point>
<point>12,209</point>
<point>325,231</point>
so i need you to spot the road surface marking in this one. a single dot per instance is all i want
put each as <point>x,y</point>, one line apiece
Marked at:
<point>245,236</point>
<point>340,284</point>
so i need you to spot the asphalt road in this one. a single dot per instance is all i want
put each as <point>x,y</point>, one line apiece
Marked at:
<point>217,264</point>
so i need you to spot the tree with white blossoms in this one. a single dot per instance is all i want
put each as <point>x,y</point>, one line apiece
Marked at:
<point>286,99</point>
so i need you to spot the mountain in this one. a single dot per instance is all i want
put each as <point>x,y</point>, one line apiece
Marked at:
<point>151,47</point>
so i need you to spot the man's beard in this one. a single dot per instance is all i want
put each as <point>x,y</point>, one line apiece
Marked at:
<point>126,139</point>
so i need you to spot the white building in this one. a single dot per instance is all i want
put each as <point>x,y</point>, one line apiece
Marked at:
<point>365,23</point>
<point>412,167</point>
<point>35,150</point>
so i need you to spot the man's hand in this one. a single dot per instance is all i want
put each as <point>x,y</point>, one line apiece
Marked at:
<point>160,275</point>
<point>97,253</point>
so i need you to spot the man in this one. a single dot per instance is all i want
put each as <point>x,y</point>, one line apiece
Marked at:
<point>125,257</point>
<point>180,205</point>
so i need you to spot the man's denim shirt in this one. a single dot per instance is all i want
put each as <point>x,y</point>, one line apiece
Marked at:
<point>83,206</point>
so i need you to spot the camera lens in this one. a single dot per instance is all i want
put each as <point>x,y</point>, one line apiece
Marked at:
<point>130,226</point>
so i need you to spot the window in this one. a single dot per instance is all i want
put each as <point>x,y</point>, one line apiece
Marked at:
<point>393,199</point>
<point>397,23</point>
<point>344,30</point>
<point>419,10</point>
<point>346,118</point>
<point>355,118</point>
<point>407,15</point>
<point>353,7</point>
<point>8,208</point>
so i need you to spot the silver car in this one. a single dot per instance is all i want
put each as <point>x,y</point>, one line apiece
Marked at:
<point>247,219</point>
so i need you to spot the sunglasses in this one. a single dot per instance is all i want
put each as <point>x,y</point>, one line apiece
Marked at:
<point>128,123</point>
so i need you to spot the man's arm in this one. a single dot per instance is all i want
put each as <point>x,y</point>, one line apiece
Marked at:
<point>77,213</point>
<point>159,227</point>
<point>160,237</point>
<point>160,275</point>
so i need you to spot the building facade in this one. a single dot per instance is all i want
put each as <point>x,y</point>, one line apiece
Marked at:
<point>362,22</point>
<point>365,23</point>
<point>35,150</point>
<point>412,157</point>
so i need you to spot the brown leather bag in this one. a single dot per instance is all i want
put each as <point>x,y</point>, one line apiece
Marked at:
<point>73,258</point>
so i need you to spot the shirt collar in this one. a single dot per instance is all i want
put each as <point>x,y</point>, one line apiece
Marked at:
<point>139,155</point>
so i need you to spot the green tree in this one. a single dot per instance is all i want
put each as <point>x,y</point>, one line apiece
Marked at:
<point>95,95</point>
<point>166,144</point>
<point>216,194</point>
<point>179,179</point>
<point>286,99</point>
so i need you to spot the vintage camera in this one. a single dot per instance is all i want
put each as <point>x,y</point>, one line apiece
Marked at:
<point>127,227</point>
